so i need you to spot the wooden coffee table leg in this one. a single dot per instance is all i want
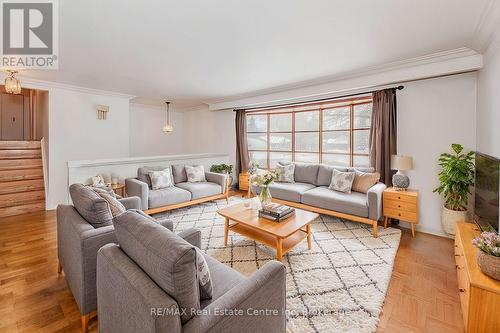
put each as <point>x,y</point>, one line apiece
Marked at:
<point>308,231</point>
<point>279,249</point>
<point>226,230</point>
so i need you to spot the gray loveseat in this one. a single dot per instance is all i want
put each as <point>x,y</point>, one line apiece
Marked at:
<point>82,228</point>
<point>182,194</point>
<point>148,283</point>
<point>310,192</point>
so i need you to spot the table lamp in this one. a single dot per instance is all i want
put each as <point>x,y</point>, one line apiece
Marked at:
<point>400,181</point>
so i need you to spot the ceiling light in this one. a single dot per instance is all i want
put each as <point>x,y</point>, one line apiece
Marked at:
<point>12,85</point>
<point>167,128</point>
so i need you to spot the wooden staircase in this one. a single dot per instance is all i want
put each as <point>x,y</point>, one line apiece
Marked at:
<point>22,188</point>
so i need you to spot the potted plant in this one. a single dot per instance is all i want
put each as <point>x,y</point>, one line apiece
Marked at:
<point>488,258</point>
<point>455,179</point>
<point>224,169</point>
<point>263,180</point>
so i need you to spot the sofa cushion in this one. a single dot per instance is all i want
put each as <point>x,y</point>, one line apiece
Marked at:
<point>168,259</point>
<point>364,180</point>
<point>179,172</point>
<point>94,209</point>
<point>195,173</point>
<point>342,181</point>
<point>161,179</point>
<point>325,174</point>
<point>143,173</point>
<point>306,173</point>
<point>224,278</point>
<point>322,197</point>
<point>287,173</point>
<point>167,196</point>
<point>200,190</point>
<point>289,191</point>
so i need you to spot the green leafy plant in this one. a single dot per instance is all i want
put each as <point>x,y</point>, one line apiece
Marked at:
<point>456,177</point>
<point>222,168</point>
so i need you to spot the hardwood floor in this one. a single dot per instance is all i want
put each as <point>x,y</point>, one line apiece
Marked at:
<point>422,297</point>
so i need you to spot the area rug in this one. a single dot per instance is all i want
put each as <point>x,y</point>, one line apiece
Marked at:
<point>338,286</point>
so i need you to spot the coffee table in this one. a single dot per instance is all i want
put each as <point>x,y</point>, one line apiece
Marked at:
<point>282,236</point>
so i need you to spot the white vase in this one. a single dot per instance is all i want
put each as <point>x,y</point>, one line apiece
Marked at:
<point>449,219</point>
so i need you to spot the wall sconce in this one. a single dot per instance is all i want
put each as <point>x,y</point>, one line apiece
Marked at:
<point>167,127</point>
<point>12,84</point>
<point>102,112</point>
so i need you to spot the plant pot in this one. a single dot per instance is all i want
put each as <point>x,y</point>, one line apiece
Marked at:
<point>449,219</point>
<point>490,265</point>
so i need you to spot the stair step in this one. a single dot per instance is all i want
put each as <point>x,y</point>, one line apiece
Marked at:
<point>21,186</point>
<point>11,154</point>
<point>17,164</point>
<point>22,209</point>
<point>22,198</point>
<point>20,145</point>
<point>25,174</point>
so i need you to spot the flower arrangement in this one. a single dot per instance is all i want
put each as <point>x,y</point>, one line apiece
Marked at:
<point>264,177</point>
<point>489,243</point>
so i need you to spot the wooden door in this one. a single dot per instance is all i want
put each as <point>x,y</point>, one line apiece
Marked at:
<point>12,117</point>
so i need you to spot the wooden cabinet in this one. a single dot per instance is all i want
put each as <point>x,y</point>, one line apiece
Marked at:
<point>244,181</point>
<point>401,205</point>
<point>479,294</point>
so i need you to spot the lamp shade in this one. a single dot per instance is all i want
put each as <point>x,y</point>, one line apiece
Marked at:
<point>401,162</point>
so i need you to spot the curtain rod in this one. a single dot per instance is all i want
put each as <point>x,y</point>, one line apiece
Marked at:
<point>315,100</point>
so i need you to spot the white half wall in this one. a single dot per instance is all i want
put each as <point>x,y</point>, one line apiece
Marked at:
<point>146,136</point>
<point>433,114</point>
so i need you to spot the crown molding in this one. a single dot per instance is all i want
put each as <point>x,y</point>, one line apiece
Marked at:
<point>431,65</point>
<point>27,82</point>
<point>487,30</point>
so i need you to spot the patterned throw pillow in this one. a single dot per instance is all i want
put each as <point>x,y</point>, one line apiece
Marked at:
<point>286,173</point>
<point>161,179</point>
<point>195,173</point>
<point>115,206</point>
<point>104,189</point>
<point>364,180</point>
<point>204,278</point>
<point>342,181</point>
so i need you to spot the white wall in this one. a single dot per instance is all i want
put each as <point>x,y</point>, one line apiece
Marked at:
<point>488,111</point>
<point>146,136</point>
<point>433,114</point>
<point>76,134</point>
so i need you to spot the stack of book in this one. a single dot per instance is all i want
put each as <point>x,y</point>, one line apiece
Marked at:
<point>276,212</point>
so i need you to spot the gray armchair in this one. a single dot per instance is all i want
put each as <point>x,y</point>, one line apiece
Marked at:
<point>140,289</point>
<point>78,242</point>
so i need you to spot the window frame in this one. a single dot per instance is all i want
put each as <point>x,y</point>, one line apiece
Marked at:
<point>319,107</point>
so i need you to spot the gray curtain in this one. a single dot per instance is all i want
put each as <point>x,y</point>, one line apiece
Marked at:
<point>242,158</point>
<point>383,133</point>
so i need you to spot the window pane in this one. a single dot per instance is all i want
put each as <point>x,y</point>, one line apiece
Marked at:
<point>280,141</point>
<point>361,161</point>
<point>361,141</point>
<point>259,157</point>
<point>334,159</point>
<point>336,142</point>
<point>307,121</point>
<point>257,141</point>
<point>363,115</point>
<point>257,123</point>
<point>307,157</point>
<point>279,157</point>
<point>307,142</point>
<point>335,119</point>
<point>281,122</point>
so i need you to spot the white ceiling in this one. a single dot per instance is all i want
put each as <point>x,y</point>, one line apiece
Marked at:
<point>193,51</point>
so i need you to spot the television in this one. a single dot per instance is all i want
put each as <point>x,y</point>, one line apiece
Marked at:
<point>486,194</point>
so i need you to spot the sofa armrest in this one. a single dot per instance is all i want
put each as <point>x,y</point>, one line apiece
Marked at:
<point>263,290</point>
<point>374,198</point>
<point>139,189</point>
<point>131,202</point>
<point>217,178</point>
<point>192,236</point>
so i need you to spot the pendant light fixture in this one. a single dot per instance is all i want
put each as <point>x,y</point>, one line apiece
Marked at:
<point>12,84</point>
<point>167,128</point>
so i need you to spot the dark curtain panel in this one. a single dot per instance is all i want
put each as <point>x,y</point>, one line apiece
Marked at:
<point>242,158</point>
<point>383,133</point>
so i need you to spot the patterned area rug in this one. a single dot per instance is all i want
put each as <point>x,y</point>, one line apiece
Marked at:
<point>338,286</point>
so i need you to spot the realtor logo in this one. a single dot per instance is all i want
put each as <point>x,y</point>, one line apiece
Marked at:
<point>29,34</point>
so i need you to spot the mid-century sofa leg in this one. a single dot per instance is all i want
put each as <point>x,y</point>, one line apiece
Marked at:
<point>85,323</point>
<point>59,267</point>
<point>375,229</point>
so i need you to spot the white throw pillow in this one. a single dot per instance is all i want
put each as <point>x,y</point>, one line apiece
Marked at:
<point>195,173</point>
<point>203,275</point>
<point>286,173</point>
<point>161,179</point>
<point>342,181</point>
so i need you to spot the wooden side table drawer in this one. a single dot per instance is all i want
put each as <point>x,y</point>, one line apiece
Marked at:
<point>400,205</point>
<point>244,181</point>
<point>401,214</point>
<point>403,196</point>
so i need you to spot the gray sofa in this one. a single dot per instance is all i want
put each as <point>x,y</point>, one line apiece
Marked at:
<point>82,228</point>
<point>310,191</point>
<point>148,283</point>
<point>182,194</point>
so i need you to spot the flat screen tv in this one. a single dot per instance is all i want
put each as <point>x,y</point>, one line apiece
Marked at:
<point>486,203</point>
